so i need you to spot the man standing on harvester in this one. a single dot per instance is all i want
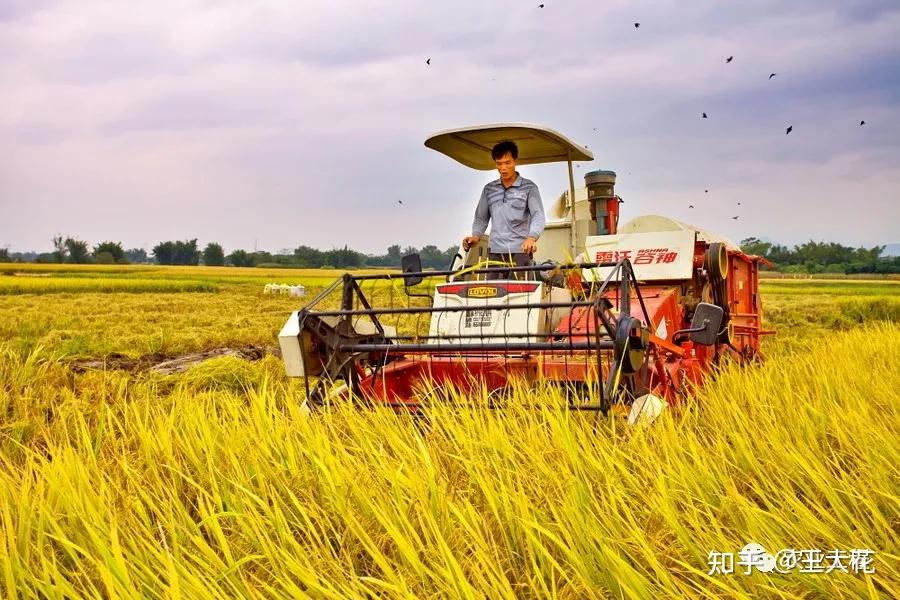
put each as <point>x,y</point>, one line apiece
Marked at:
<point>514,205</point>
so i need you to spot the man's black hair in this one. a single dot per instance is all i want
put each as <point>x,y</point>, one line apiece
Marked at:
<point>501,149</point>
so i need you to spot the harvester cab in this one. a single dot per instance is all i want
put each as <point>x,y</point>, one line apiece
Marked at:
<point>634,314</point>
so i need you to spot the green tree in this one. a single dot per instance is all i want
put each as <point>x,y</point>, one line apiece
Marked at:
<point>755,246</point>
<point>187,253</point>
<point>59,248</point>
<point>164,253</point>
<point>213,255</point>
<point>137,255</point>
<point>240,258</point>
<point>394,255</point>
<point>113,248</point>
<point>309,257</point>
<point>183,252</point>
<point>104,258</point>
<point>77,250</point>
<point>4,255</point>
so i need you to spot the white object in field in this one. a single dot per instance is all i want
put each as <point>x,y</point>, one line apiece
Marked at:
<point>298,291</point>
<point>289,340</point>
<point>654,256</point>
<point>646,409</point>
<point>513,324</point>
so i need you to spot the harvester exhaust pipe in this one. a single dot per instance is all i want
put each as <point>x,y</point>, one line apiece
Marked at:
<point>601,193</point>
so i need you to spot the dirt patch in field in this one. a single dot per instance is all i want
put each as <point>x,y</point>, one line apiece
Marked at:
<point>167,365</point>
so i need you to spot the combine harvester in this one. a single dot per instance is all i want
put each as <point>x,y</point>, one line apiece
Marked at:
<point>642,313</point>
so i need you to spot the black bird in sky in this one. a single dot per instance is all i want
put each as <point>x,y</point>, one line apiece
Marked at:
<point>705,191</point>
<point>735,218</point>
<point>399,201</point>
<point>739,203</point>
<point>637,25</point>
<point>428,62</point>
<point>729,59</point>
<point>690,206</point>
<point>704,116</point>
<point>540,6</point>
<point>861,123</point>
<point>789,129</point>
<point>772,75</point>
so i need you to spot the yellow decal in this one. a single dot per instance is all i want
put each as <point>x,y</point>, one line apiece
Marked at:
<point>482,292</point>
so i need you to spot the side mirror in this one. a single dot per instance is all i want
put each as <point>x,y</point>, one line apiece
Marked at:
<point>412,263</point>
<point>706,323</point>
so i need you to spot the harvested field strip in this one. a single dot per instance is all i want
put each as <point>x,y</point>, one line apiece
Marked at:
<point>10,286</point>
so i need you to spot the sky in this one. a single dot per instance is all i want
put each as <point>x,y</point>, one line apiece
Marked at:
<point>268,125</point>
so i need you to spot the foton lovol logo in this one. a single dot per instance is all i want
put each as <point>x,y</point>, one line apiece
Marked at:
<point>483,292</point>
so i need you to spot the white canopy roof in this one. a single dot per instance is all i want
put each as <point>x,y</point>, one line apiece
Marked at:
<point>472,145</point>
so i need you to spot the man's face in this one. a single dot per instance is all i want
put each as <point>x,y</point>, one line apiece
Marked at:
<point>506,165</point>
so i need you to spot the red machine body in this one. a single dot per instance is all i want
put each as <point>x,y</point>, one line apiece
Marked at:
<point>674,365</point>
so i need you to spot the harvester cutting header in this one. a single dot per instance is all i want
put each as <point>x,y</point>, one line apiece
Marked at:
<point>635,313</point>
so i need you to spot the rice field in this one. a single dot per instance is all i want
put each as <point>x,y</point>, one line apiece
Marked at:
<point>214,483</point>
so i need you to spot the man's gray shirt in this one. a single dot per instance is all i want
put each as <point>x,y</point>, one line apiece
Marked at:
<point>517,213</point>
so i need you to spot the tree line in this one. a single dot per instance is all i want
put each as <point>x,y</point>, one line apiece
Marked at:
<point>823,257</point>
<point>188,252</point>
<point>811,257</point>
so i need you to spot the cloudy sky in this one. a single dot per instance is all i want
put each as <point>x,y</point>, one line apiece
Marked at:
<point>284,123</point>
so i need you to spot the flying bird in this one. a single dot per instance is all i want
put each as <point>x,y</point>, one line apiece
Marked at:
<point>735,218</point>
<point>789,129</point>
<point>540,6</point>
<point>637,25</point>
<point>399,201</point>
<point>705,191</point>
<point>861,123</point>
<point>704,116</point>
<point>428,62</point>
<point>739,203</point>
<point>772,75</point>
<point>690,206</point>
<point>729,59</point>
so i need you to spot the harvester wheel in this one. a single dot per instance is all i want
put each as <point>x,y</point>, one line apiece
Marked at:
<point>716,261</point>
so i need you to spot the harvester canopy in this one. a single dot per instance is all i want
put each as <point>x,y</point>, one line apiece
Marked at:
<point>472,145</point>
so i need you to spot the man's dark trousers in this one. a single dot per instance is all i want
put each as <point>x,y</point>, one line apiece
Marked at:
<point>520,259</point>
